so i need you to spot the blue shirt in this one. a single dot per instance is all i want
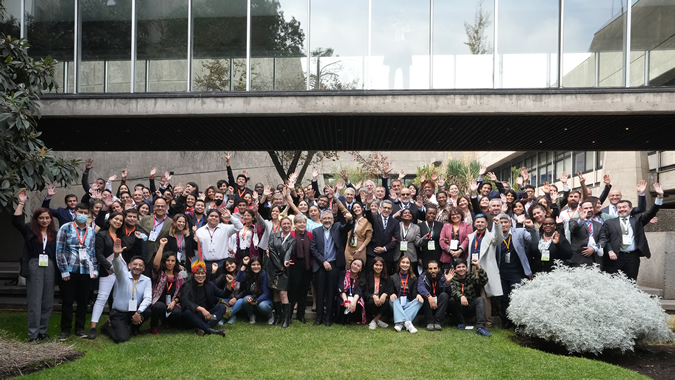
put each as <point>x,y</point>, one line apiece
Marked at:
<point>329,252</point>
<point>68,243</point>
<point>126,289</point>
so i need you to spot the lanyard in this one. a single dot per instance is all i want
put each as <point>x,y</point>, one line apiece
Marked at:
<point>211,233</point>
<point>275,228</point>
<point>44,243</point>
<point>477,240</point>
<point>455,232</point>
<point>352,281</point>
<point>508,244</point>
<point>405,230</point>
<point>377,285</point>
<point>180,243</point>
<point>133,290</point>
<point>113,237</point>
<point>83,238</point>
<point>155,224</point>
<point>433,288</point>
<point>573,212</point>
<point>590,227</point>
<point>625,225</point>
<point>462,288</point>
<point>243,232</point>
<point>431,229</point>
<point>241,193</point>
<point>129,232</point>
<point>168,287</point>
<point>404,283</point>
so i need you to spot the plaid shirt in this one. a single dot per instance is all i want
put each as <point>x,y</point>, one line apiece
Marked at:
<point>68,250</point>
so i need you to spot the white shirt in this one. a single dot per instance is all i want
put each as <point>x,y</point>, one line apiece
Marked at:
<point>215,242</point>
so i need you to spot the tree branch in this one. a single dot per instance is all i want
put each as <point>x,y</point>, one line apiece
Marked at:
<point>293,165</point>
<point>305,165</point>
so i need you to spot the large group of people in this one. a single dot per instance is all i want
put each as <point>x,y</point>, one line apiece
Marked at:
<point>186,257</point>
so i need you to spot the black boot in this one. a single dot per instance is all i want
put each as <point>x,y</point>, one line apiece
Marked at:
<point>286,315</point>
<point>277,313</point>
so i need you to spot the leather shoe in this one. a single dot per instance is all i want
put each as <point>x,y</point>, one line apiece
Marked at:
<point>329,323</point>
<point>319,321</point>
<point>217,332</point>
<point>302,319</point>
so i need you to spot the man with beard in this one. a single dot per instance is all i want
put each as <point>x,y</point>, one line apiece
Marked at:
<point>156,226</point>
<point>465,289</point>
<point>572,211</point>
<point>197,219</point>
<point>131,298</point>
<point>432,287</point>
<point>240,184</point>
<point>430,230</point>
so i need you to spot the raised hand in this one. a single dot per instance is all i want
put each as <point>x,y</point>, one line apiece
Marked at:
<point>344,175</point>
<point>528,223</point>
<point>419,202</point>
<point>167,176</point>
<point>423,178</point>
<point>178,189</point>
<point>51,190</point>
<point>315,174</point>
<point>440,182</point>
<point>23,196</point>
<point>563,177</point>
<point>153,171</point>
<point>641,186</point>
<point>112,178</point>
<point>474,185</point>
<point>581,177</point>
<point>386,169</point>
<point>519,181</point>
<point>521,219</point>
<point>202,196</point>
<point>117,247</point>
<point>606,179</point>
<point>339,186</point>
<point>524,173</point>
<point>293,178</point>
<point>89,164</point>
<point>267,192</point>
<point>124,173</point>
<point>228,157</point>
<point>658,190</point>
<point>401,174</point>
<point>449,276</point>
<point>482,171</point>
<point>492,176</point>
<point>163,241</point>
<point>358,186</point>
<point>434,176</point>
<point>96,194</point>
<point>505,207</point>
<point>245,173</point>
<point>546,188</point>
<point>559,219</point>
<point>556,237</point>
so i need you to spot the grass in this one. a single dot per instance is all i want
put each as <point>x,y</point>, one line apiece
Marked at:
<point>305,351</point>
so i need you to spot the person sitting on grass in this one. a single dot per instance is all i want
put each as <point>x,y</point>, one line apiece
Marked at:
<point>404,299</point>
<point>199,299</point>
<point>131,298</point>
<point>253,295</point>
<point>350,290</point>
<point>167,283</point>
<point>376,292</point>
<point>431,286</point>
<point>465,288</point>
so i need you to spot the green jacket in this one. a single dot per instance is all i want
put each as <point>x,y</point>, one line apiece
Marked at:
<point>472,285</point>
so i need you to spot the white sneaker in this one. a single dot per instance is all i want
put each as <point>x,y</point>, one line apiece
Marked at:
<point>398,326</point>
<point>251,320</point>
<point>372,325</point>
<point>382,324</point>
<point>410,327</point>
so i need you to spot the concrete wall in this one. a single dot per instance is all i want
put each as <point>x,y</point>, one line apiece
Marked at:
<point>657,272</point>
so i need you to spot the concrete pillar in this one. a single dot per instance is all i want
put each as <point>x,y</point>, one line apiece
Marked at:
<point>625,170</point>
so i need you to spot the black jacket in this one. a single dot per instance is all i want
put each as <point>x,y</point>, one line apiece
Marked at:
<point>33,246</point>
<point>187,296</point>
<point>412,285</point>
<point>386,286</point>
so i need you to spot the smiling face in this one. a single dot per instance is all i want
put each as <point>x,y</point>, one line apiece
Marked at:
<point>286,225</point>
<point>44,219</point>
<point>117,221</point>
<point>442,200</point>
<point>356,266</point>
<point>463,203</point>
<point>213,219</point>
<point>300,225</point>
<point>539,215</point>
<point>614,197</point>
<point>549,226</point>
<point>255,267</point>
<point>136,267</point>
<point>460,269</point>
<point>303,207</point>
<point>377,267</point>
<point>357,209</point>
<point>404,264</point>
<point>327,219</point>
<point>230,267</point>
<point>180,223</point>
<point>170,263</point>
<point>518,208</point>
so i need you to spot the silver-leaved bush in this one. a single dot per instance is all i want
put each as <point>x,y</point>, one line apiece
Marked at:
<point>586,310</point>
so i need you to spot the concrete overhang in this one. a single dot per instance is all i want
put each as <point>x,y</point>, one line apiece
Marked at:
<point>547,119</point>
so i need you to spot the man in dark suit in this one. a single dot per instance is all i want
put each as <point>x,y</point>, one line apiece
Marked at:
<point>585,236</point>
<point>430,229</point>
<point>624,237</point>
<point>404,203</point>
<point>64,215</point>
<point>615,196</point>
<point>385,236</point>
<point>328,250</point>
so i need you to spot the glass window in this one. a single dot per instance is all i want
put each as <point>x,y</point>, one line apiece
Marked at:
<point>593,43</point>
<point>49,28</point>
<point>278,32</point>
<point>533,177</point>
<point>651,43</point>
<point>339,58</point>
<point>579,162</point>
<point>106,46</point>
<point>219,46</point>
<point>527,43</point>
<point>463,41</point>
<point>400,45</point>
<point>590,160</point>
<point>10,20</point>
<point>600,161</point>
<point>162,45</point>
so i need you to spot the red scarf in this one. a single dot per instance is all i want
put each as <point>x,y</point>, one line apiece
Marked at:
<point>347,283</point>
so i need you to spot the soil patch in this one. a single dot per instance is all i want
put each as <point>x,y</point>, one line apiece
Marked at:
<point>19,358</point>
<point>654,360</point>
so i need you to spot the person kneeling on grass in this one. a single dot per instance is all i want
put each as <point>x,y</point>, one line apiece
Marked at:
<point>432,287</point>
<point>167,282</point>
<point>405,300</point>
<point>350,291</point>
<point>465,288</point>
<point>199,299</point>
<point>253,294</point>
<point>131,298</point>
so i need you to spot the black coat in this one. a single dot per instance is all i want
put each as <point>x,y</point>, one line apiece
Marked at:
<point>611,233</point>
<point>412,285</point>
<point>423,252</point>
<point>188,300</point>
<point>383,237</point>
<point>386,286</point>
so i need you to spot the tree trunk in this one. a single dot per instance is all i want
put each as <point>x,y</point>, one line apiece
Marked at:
<point>305,165</point>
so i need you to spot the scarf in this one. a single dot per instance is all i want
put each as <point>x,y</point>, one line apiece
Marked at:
<point>347,283</point>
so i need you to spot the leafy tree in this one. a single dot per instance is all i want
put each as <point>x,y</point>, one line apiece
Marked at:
<point>477,40</point>
<point>328,77</point>
<point>25,161</point>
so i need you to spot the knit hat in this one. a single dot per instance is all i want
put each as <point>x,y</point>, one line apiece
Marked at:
<point>198,261</point>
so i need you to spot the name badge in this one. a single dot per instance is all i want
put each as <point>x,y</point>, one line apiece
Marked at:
<point>435,299</point>
<point>43,260</point>
<point>404,300</point>
<point>626,240</point>
<point>212,249</point>
<point>404,246</point>
<point>132,305</point>
<point>168,299</point>
<point>507,257</point>
<point>83,254</point>
<point>431,245</point>
<point>153,235</point>
<point>352,243</point>
<point>454,244</point>
<point>545,255</point>
<point>474,256</point>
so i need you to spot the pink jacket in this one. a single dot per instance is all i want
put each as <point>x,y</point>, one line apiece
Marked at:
<point>465,229</point>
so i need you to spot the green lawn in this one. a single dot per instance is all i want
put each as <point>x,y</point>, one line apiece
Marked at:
<point>304,351</point>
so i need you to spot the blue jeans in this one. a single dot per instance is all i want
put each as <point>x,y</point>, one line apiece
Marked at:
<point>263,307</point>
<point>407,312</point>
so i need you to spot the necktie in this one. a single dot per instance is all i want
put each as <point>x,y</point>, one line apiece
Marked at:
<point>624,225</point>
<point>385,223</point>
<point>589,223</point>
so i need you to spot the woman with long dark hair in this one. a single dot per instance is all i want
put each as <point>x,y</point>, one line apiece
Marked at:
<point>253,294</point>
<point>376,292</point>
<point>181,241</point>
<point>280,250</point>
<point>166,283</point>
<point>404,298</point>
<point>105,240</point>
<point>38,266</point>
<point>350,291</point>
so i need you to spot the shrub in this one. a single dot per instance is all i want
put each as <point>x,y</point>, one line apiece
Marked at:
<point>586,310</point>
